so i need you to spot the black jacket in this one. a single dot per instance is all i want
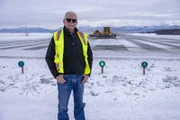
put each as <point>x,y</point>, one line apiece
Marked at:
<point>73,57</point>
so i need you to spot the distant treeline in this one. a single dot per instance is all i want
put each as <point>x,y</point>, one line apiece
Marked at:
<point>167,32</point>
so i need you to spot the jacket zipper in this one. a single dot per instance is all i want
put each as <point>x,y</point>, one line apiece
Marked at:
<point>72,39</point>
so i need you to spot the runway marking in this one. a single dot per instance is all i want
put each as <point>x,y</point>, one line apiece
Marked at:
<point>172,43</point>
<point>157,45</point>
<point>103,42</point>
<point>123,43</point>
<point>161,41</point>
<point>22,45</point>
<point>37,47</point>
<point>34,46</point>
<point>20,41</point>
<point>131,46</point>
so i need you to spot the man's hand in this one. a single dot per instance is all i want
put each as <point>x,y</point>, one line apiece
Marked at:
<point>85,79</point>
<point>60,79</point>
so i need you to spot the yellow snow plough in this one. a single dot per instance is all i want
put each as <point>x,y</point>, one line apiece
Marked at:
<point>107,33</point>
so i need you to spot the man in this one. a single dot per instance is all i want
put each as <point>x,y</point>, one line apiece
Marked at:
<point>69,58</point>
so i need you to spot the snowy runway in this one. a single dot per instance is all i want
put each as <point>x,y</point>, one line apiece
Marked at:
<point>132,43</point>
<point>122,92</point>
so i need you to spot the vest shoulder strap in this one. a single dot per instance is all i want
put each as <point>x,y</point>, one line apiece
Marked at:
<point>57,34</point>
<point>84,37</point>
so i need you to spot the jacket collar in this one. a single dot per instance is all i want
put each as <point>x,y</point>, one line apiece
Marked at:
<point>67,31</point>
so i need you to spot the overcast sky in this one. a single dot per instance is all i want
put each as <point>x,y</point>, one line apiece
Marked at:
<point>49,13</point>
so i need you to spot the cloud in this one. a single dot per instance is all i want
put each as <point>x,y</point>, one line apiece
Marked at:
<point>47,13</point>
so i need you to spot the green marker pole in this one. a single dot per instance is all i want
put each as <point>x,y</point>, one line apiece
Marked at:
<point>102,64</point>
<point>144,65</point>
<point>21,64</point>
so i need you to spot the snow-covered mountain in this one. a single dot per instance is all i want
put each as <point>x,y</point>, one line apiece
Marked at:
<point>134,29</point>
<point>24,29</point>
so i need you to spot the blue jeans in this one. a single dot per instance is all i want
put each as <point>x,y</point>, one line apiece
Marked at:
<point>73,82</point>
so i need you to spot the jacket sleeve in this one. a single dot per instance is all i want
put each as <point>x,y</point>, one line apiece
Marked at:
<point>90,57</point>
<point>50,58</point>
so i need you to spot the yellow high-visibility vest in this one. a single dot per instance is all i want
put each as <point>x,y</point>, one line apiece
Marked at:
<point>59,50</point>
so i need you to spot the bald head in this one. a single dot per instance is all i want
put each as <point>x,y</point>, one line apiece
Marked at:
<point>70,14</point>
<point>70,20</point>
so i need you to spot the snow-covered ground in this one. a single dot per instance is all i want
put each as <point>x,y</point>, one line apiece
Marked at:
<point>122,92</point>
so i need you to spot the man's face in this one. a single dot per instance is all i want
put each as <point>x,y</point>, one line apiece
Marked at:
<point>70,21</point>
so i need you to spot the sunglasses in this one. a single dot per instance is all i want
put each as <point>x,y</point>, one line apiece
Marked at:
<point>69,20</point>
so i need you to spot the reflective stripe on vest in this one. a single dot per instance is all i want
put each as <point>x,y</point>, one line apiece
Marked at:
<point>84,40</point>
<point>59,50</point>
